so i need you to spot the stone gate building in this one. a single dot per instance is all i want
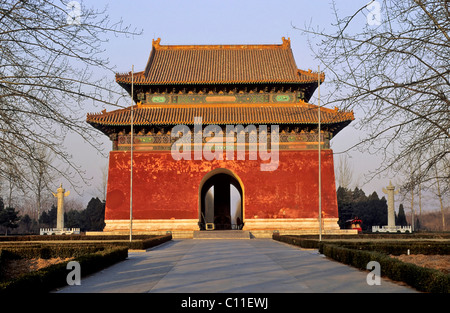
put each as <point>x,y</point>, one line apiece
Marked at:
<point>224,138</point>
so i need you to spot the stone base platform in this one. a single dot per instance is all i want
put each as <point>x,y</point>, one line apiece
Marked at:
<point>222,234</point>
<point>257,228</point>
<point>252,234</point>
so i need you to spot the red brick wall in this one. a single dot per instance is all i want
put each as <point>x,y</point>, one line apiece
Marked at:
<point>164,188</point>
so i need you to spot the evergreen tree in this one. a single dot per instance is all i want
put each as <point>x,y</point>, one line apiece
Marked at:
<point>9,218</point>
<point>345,205</point>
<point>417,225</point>
<point>358,195</point>
<point>92,218</point>
<point>95,214</point>
<point>401,219</point>
<point>75,219</point>
<point>49,218</point>
<point>27,222</point>
<point>52,215</point>
<point>380,211</point>
<point>371,210</point>
<point>44,219</point>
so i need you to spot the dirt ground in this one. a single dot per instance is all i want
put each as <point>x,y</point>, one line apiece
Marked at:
<point>439,262</point>
<point>14,268</point>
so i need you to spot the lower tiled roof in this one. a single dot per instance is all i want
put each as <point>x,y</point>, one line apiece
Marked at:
<point>233,114</point>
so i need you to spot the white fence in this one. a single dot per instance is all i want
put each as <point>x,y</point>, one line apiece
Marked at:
<point>56,231</point>
<point>391,229</point>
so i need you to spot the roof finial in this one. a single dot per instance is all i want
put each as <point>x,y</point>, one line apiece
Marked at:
<point>156,42</point>
<point>286,42</point>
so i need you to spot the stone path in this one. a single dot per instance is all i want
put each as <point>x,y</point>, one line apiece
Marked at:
<point>230,266</point>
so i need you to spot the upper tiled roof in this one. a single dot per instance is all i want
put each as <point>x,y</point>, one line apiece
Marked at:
<point>220,64</point>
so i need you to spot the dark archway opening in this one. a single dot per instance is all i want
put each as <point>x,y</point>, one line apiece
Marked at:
<point>221,203</point>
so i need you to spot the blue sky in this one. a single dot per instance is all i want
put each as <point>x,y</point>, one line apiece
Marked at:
<point>217,22</point>
<point>223,22</point>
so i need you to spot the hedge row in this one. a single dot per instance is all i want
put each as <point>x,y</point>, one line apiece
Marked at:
<point>49,252</point>
<point>74,237</point>
<point>415,235</point>
<point>54,276</point>
<point>423,279</point>
<point>399,247</point>
<point>92,256</point>
<point>69,249</point>
<point>387,246</point>
<point>141,243</point>
<point>298,241</point>
<point>149,242</point>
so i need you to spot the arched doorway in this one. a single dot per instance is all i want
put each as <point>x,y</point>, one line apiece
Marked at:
<point>221,202</point>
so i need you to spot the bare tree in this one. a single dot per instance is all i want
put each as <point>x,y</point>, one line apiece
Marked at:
<point>41,176</point>
<point>397,76</point>
<point>13,182</point>
<point>48,53</point>
<point>101,188</point>
<point>439,194</point>
<point>344,172</point>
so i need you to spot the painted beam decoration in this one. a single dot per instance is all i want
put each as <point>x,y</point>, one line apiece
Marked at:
<point>262,97</point>
<point>164,142</point>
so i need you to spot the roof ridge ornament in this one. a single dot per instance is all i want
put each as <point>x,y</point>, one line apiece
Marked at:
<point>286,42</point>
<point>156,43</point>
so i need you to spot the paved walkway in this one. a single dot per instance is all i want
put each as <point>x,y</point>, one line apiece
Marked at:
<point>230,266</point>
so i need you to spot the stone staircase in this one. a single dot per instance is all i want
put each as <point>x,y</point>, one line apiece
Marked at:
<point>222,234</point>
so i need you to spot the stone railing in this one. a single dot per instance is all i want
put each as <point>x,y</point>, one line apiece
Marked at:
<point>56,231</point>
<point>391,229</point>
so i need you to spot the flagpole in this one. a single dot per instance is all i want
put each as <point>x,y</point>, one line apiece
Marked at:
<point>320,167</point>
<point>131,155</point>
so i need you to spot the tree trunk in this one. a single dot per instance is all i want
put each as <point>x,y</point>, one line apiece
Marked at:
<point>440,200</point>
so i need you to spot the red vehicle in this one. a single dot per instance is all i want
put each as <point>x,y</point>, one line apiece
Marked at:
<point>354,223</point>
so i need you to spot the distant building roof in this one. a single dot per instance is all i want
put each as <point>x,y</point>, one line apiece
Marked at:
<point>220,64</point>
